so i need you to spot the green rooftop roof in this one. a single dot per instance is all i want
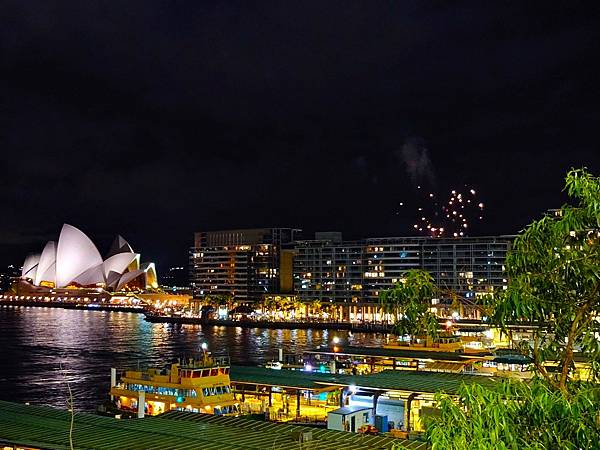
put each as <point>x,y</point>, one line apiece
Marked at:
<point>45,427</point>
<point>401,380</point>
<point>283,378</point>
<point>397,353</point>
<point>412,381</point>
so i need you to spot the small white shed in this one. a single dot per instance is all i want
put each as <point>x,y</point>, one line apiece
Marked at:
<point>349,418</point>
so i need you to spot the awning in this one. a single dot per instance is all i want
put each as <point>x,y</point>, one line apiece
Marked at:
<point>446,366</point>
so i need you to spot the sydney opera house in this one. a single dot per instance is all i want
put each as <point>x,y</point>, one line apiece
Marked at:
<point>74,263</point>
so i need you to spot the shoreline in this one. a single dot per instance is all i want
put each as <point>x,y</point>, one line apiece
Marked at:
<point>69,305</point>
<point>347,326</point>
<point>152,318</point>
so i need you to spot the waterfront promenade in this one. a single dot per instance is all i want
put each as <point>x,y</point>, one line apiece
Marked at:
<point>71,305</point>
<point>291,325</point>
<point>245,323</point>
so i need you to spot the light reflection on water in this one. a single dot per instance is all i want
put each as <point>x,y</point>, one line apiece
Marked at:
<point>36,342</point>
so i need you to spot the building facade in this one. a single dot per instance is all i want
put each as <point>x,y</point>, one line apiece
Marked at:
<point>252,264</point>
<point>243,264</point>
<point>357,272</point>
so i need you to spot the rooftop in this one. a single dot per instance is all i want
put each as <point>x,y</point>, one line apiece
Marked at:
<point>396,353</point>
<point>399,380</point>
<point>412,381</point>
<point>349,410</point>
<point>282,378</point>
<point>46,427</point>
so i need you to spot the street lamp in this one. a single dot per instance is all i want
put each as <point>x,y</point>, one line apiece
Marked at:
<point>204,347</point>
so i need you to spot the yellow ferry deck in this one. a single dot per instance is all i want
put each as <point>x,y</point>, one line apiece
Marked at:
<point>196,385</point>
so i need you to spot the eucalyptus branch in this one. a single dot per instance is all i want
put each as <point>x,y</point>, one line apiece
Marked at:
<point>539,364</point>
<point>567,360</point>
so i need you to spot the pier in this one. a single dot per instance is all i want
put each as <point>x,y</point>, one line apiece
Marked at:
<point>42,427</point>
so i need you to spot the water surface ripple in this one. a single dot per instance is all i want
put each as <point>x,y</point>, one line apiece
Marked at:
<point>43,349</point>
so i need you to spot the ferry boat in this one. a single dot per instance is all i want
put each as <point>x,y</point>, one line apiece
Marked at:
<point>443,343</point>
<point>196,385</point>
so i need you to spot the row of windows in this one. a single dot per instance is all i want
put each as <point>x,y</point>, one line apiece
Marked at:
<point>186,393</point>
<point>198,373</point>
<point>161,390</point>
<point>217,390</point>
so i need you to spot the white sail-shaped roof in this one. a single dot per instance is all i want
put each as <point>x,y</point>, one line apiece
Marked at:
<point>129,276</point>
<point>47,260</point>
<point>118,263</point>
<point>75,255</point>
<point>29,264</point>
<point>151,278</point>
<point>32,273</point>
<point>48,275</point>
<point>119,245</point>
<point>76,260</point>
<point>91,277</point>
<point>112,279</point>
<point>135,264</point>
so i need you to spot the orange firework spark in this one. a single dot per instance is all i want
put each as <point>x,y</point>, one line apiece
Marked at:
<point>452,216</point>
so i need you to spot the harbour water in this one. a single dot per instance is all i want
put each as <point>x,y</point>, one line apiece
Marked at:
<point>46,350</point>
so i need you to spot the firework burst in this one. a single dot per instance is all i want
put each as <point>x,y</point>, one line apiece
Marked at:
<point>452,215</point>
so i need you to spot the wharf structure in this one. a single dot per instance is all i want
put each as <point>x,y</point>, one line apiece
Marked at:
<point>43,427</point>
<point>404,396</point>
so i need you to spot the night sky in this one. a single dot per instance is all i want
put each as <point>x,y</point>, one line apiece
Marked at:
<point>155,119</point>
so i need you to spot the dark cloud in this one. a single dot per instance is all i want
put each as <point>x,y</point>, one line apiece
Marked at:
<point>153,119</point>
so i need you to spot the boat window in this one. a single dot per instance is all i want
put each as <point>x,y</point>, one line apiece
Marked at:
<point>196,374</point>
<point>214,372</point>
